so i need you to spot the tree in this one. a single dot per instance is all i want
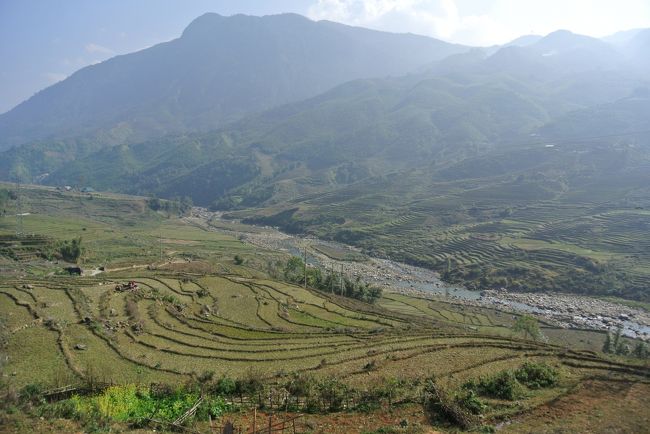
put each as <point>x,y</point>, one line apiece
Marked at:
<point>608,346</point>
<point>529,326</point>
<point>294,270</point>
<point>185,205</point>
<point>620,346</point>
<point>374,293</point>
<point>4,199</point>
<point>71,250</point>
<point>154,203</point>
<point>641,350</point>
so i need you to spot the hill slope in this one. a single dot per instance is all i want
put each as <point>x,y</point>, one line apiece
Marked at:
<point>527,168</point>
<point>219,69</point>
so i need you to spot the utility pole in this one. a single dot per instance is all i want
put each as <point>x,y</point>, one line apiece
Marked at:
<point>341,279</point>
<point>19,211</point>
<point>161,247</point>
<point>304,264</point>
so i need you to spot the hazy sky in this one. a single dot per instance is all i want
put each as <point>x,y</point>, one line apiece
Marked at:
<point>43,41</point>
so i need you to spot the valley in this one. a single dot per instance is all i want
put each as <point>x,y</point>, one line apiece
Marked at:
<point>197,310</point>
<point>212,221</point>
<point>565,310</point>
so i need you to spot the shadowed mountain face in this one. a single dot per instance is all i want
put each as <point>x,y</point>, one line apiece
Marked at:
<point>220,69</point>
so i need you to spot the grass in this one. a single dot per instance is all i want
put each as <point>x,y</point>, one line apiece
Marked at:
<point>499,240</point>
<point>63,329</point>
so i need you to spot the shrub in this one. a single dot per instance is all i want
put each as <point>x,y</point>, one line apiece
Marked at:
<point>332,392</point>
<point>470,401</point>
<point>250,385</point>
<point>503,385</point>
<point>211,407</point>
<point>132,404</point>
<point>71,250</point>
<point>536,375</point>
<point>31,393</point>
<point>438,403</point>
<point>224,386</point>
<point>510,384</point>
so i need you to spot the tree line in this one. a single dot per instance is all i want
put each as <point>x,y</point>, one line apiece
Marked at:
<point>296,271</point>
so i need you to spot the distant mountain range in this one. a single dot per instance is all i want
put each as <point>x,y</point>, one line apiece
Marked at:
<point>220,69</point>
<point>169,118</point>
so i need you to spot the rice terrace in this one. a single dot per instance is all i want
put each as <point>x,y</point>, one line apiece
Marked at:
<point>325,216</point>
<point>231,330</point>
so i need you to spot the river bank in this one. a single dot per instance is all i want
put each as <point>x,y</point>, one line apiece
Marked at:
<point>563,310</point>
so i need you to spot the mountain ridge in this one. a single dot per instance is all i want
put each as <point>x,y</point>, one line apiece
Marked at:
<point>220,69</point>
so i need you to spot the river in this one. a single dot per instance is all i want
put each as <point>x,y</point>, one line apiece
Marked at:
<point>565,310</point>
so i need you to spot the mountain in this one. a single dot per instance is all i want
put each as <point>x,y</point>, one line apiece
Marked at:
<point>636,50</point>
<point>219,70</point>
<point>621,38</point>
<point>523,41</point>
<point>464,104</point>
<point>560,52</point>
<point>371,125</point>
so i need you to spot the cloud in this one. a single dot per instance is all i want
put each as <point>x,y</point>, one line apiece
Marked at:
<point>93,48</point>
<point>54,77</point>
<point>437,18</point>
<point>482,22</point>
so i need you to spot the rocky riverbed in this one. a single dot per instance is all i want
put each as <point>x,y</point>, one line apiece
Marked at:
<point>579,311</point>
<point>564,310</point>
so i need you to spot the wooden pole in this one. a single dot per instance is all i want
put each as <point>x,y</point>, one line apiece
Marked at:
<point>332,277</point>
<point>270,422</point>
<point>305,264</point>
<point>341,279</point>
<point>254,420</point>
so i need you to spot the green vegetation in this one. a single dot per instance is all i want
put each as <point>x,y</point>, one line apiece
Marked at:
<point>297,272</point>
<point>536,375</point>
<point>175,206</point>
<point>502,168</point>
<point>511,385</point>
<point>198,324</point>
<point>529,326</point>
<point>70,250</point>
<point>616,344</point>
<point>503,385</point>
<point>4,200</point>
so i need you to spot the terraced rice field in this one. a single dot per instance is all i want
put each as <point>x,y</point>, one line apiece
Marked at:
<point>486,238</point>
<point>174,326</point>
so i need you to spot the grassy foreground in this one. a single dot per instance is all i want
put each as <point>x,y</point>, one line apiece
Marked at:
<point>201,324</point>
